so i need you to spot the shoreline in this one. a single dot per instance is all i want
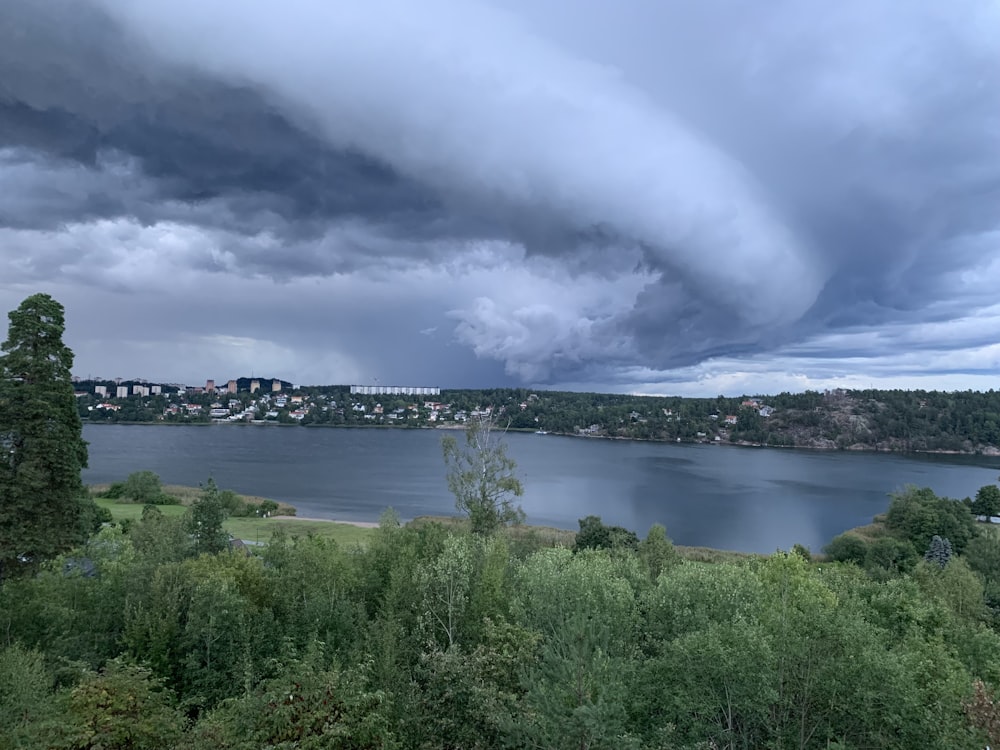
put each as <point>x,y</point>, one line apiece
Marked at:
<point>987,452</point>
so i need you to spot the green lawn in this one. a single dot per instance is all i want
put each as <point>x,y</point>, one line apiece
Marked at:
<point>133,511</point>
<point>254,529</point>
<point>261,530</point>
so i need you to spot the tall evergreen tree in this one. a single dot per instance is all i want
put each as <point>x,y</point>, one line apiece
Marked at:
<point>41,513</point>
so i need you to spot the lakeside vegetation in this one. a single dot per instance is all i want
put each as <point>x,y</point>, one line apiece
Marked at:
<point>156,631</point>
<point>431,636</point>
<point>902,421</point>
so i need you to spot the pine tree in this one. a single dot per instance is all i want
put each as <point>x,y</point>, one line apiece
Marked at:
<point>939,552</point>
<point>43,451</point>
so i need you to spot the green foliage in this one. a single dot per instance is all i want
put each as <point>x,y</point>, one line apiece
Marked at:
<point>40,440</point>
<point>25,701</point>
<point>267,508</point>
<point>593,534</point>
<point>657,551</point>
<point>847,547</point>
<point>983,556</point>
<point>917,514</point>
<point>430,636</point>
<point>888,556</point>
<point>122,708</point>
<point>144,488</point>
<point>158,538</point>
<point>802,551</point>
<point>308,707</point>
<point>987,502</point>
<point>482,479</point>
<point>115,491</point>
<point>939,552</point>
<point>204,521</point>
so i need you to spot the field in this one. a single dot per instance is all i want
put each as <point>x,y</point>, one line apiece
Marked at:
<point>252,529</point>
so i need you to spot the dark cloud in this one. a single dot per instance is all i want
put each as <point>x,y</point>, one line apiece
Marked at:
<point>640,187</point>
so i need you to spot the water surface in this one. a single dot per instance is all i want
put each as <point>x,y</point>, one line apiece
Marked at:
<point>749,499</point>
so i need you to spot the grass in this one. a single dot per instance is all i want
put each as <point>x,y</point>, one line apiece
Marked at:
<point>262,529</point>
<point>186,495</point>
<point>542,536</point>
<point>253,529</point>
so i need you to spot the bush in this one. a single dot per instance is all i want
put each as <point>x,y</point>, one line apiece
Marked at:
<point>847,547</point>
<point>234,504</point>
<point>144,488</point>
<point>116,491</point>
<point>267,508</point>
<point>594,534</point>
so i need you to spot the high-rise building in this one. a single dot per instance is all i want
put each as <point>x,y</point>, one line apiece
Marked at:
<point>231,386</point>
<point>156,390</point>
<point>275,386</point>
<point>101,390</point>
<point>209,386</point>
<point>122,391</point>
<point>395,390</point>
<point>254,386</point>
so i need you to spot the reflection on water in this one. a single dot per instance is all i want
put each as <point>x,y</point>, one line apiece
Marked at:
<point>747,499</point>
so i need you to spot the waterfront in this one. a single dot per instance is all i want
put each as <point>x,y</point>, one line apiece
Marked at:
<point>726,497</point>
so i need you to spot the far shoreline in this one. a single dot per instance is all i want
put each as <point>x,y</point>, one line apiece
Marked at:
<point>988,452</point>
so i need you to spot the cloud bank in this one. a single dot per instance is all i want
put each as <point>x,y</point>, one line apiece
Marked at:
<point>631,197</point>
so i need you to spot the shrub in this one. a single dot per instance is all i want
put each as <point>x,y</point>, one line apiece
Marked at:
<point>144,488</point>
<point>847,547</point>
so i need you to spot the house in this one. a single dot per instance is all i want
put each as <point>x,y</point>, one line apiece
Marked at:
<point>731,419</point>
<point>766,411</point>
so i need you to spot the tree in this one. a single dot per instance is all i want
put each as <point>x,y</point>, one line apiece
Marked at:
<point>939,551</point>
<point>42,512</point>
<point>657,551</point>
<point>917,514</point>
<point>593,534</point>
<point>143,487</point>
<point>481,477</point>
<point>987,502</point>
<point>205,519</point>
<point>124,707</point>
<point>847,547</point>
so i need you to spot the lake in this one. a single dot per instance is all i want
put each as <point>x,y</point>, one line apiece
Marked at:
<point>749,499</point>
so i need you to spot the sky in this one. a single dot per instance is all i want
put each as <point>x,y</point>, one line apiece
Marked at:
<point>721,197</point>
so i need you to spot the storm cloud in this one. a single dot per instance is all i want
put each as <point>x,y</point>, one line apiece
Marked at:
<point>637,196</point>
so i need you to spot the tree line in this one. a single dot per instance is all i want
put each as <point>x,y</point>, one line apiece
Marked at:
<point>889,420</point>
<point>441,638</point>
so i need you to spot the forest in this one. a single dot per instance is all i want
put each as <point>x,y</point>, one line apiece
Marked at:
<point>149,636</point>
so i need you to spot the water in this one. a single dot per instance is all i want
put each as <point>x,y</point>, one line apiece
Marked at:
<point>755,500</point>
